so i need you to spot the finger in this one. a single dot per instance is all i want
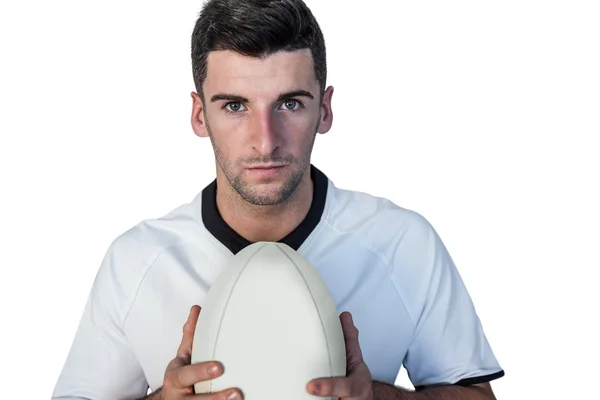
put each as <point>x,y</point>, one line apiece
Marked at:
<point>185,347</point>
<point>188,375</point>
<point>340,387</point>
<point>227,394</point>
<point>350,330</point>
<point>353,351</point>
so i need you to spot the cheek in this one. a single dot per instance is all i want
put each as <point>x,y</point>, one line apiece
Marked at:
<point>297,128</point>
<point>223,125</point>
<point>227,132</point>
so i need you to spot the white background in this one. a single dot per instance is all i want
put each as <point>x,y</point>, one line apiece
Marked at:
<point>484,117</point>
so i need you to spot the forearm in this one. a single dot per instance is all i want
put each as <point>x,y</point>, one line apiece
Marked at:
<point>383,391</point>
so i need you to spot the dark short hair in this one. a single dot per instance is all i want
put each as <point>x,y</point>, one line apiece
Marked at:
<point>256,28</point>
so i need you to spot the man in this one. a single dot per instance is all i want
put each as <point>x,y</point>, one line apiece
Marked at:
<point>260,74</point>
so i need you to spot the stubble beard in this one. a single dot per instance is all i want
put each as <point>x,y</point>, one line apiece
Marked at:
<point>256,196</point>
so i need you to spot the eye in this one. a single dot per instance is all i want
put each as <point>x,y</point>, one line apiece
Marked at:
<point>234,107</point>
<point>291,105</point>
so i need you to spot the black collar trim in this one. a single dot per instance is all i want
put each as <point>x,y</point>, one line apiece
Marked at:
<point>216,225</point>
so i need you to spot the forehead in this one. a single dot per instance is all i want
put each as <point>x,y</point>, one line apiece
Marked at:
<point>228,71</point>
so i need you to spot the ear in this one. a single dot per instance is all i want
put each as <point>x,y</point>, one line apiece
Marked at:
<point>326,112</point>
<point>198,122</point>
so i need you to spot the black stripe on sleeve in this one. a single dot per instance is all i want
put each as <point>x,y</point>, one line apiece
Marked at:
<point>480,379</point>
<point>470,381</point>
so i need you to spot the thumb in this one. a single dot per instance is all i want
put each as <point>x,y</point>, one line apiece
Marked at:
<point>353,351</point>
<point>185,347</point>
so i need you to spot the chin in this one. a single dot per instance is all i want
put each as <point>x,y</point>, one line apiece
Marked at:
<point>267,194</point>
<point>265,188</point>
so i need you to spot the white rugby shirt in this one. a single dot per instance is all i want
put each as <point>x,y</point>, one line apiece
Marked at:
<point>383,263</point>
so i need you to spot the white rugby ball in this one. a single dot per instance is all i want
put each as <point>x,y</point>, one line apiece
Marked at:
<point>270,320</point>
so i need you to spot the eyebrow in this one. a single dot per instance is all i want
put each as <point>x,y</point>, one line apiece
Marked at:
<point>240,99</point>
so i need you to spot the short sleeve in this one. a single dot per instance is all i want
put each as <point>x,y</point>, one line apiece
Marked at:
<point>449,345</point>
<point>101,364</point>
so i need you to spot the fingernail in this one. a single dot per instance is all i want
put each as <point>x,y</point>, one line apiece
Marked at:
<point>316,388</point>
<point>233,396</point>
<point>213,370</point>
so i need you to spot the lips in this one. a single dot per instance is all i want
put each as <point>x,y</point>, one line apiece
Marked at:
<point>267,171</point>
<point>267,167</point>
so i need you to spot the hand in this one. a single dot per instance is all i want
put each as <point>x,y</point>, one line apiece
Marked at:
<point>357,384</point>
<point>180,376</point>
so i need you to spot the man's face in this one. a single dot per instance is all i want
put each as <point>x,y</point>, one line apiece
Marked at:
<point>262,116</point>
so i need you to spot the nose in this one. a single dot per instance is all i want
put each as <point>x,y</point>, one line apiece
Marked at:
<point>265,138</point>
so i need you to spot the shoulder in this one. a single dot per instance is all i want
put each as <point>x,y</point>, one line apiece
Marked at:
<point>417,261</point>
<point>132,254</point>
<point>391,231</point>
<point>151,236</point>
<point>402,239</point>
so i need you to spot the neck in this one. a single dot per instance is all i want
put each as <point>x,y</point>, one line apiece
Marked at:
<point>264,223</point>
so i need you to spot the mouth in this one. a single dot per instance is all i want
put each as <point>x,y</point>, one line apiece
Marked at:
<point>267,171</point>
<point>267,167</point>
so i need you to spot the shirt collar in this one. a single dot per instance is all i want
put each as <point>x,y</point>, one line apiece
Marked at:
<point>216,225</point>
